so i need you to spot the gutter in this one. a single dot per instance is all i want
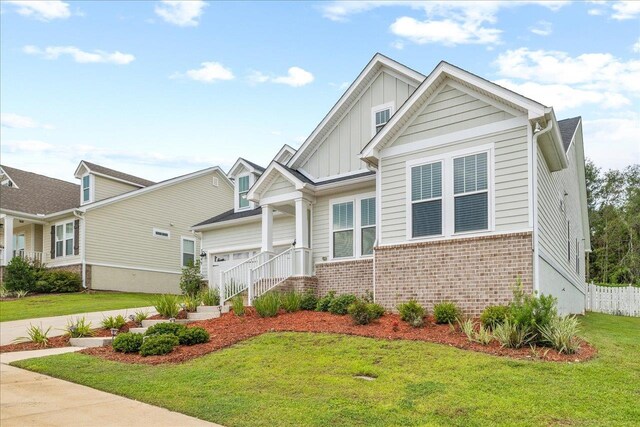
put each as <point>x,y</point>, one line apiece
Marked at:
<point>80,215</point>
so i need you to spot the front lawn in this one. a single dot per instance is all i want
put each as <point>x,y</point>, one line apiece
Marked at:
<point>61,304</point>
<point>310,379</point>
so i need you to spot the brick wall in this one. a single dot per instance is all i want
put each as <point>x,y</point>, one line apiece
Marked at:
<point>299,284</point>
<point>472,272</point>
<point>345,277</point>
<point>77,268</point>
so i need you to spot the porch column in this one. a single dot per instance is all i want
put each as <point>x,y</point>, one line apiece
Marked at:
<point>8,239</point>
<point>302,236</point>
<point>267,228</point>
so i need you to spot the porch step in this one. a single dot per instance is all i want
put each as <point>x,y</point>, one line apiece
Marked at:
<point>151,322</point>
<point>138,330</point>
<point>208,309</point>
<point>203,316</point>
<point>91,342</point>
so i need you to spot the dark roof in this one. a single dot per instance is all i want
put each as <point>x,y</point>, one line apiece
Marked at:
<point>567,128</point>
<point>230,215</point>
<point>304,178</point>
<point>37,194</point>
<point>254,165</point>
<point>118,175</point>
<point>297,174</point>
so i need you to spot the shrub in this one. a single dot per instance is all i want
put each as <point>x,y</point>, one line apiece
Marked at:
<point>167,305</point>
<point>532,312</point>
<point>494,315</point>
<point>165,328</point>
<point>158,344</point>
<point>192,336</point>
<point>412,313</point>
<point>191,279</point>
<point>237,305</point>
<point>128,342</point>
<point>191,302</point>
<point>309,301</point>
<point>21,293</point>
<point>561,333</point>
<point>482,335</point>
<point>512,335</point>
<point>325,301</point>
<point>340,304</point>
<point>4,293</point>
<point>445,312</point>
<point>20,275</point>
<point>210,296</point>
<point>267,305</point>
<point>80,328</point>
<point>112,322</point>
<point>58,281</point>
<point>291,301</point>
<point>139,316</point>
<point>363,312</point>
<point>37,335</point>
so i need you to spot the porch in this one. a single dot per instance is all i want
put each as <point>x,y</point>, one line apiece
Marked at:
<point>21,237</point>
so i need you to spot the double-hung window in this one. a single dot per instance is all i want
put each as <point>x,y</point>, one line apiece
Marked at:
<point>367,225</point>
<point>243,189</point>
<point>471,193</point>
<point>188,252</point>
<point>426,199</point>
<point>382,117</point>
<point>343,230</point>
<point>64,239</point>
<point>86,189</point>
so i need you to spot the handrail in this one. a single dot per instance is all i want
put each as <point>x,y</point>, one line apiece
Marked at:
<point>236,279</point>
<point>271,273</point>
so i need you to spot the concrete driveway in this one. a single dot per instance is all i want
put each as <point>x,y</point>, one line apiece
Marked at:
<point>9,331</point>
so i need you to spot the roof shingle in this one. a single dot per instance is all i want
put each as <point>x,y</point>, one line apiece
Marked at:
<point>118,175</point>
<point>567,128</point>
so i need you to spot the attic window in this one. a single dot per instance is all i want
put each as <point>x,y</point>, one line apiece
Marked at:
<point>86,189</point>
<point>382,117</point>
<point>7,183</point>
<point>243,189</point>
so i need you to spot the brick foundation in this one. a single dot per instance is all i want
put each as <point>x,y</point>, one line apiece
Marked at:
<point>472,272</point>
<point>299,284</point>
<point>345,277</point>
<point>76,268</point>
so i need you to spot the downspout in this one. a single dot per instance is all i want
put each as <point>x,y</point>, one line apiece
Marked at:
<point>534,194</point>
<point>80,216</point>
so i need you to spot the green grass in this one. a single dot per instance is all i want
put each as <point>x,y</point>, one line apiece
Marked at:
<point>308,379</point>
<point>61,304</point>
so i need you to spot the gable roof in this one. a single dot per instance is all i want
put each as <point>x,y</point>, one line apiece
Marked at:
<point>567,129</point>
<point>111,173</point>
<point>253,167</point>
<point>37,194</point>
<point>353,92</point>
<point>229,216</point>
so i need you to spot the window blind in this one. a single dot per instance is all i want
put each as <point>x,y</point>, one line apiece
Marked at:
<point>426,195</point>
<point>470,175</point>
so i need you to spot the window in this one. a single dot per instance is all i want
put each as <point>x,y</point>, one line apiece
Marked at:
<point>64,239</point>
<point>426,200</point>
<point>86,189</point>
<point>161,234</point>
<point>343,230</point>
<point>471,193</point>
<point>18,243</point>
<point>367,225</point>
<point>243,189</point>
<point>188,252</point>
<point>382,117</point>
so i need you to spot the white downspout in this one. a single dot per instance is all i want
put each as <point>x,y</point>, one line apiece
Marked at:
<point>82,247</point>
<point>534,194</point>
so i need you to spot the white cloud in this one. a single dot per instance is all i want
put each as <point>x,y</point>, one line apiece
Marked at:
<point>97,56</point>
<point>595,12</point>
<point>398,44</point>
<point>295,77</point>
<point>209,72</point>
<point>16,121</point>
<point>606,138</point>
<point>623,10</point>
<point>43,10</point>
<point>636,46</point>
<point>29,146</point>
<point>542,28</point>
<point>181,13</point>
<point>256,77</point>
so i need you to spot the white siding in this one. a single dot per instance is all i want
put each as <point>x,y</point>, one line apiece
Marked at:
<point>280,186</point>
<point>248,235</point>
<point>106,188</point>
<point>46,238</point>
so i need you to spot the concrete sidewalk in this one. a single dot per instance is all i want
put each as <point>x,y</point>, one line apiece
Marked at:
<point>9,331</point>
<point>30,399</point>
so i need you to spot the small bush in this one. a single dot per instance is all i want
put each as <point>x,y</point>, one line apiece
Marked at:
<point>512,335</point>
<point>482,335</point>
<point>267,305</point>
<point>36,335</point>
<point>210,296</point>
<point>192,336</point>
<point>445,312</point>
<point>561,333</point>
<point>158,344</point>
<point>127,342</point>
<point>325,301</point>
<point>112,322</point>
<point>21,293</point>
<point>79,328</point>
<point>532,312</point>
<point>340,304</point>
<point>309,301</point>
<point>139,316</point>
<point>58,281</point>
<point>4,293</point>
<point>20,275</point>
<point>167,305</point>
<point>363,312</point>
<point>237,305</point>
<point>494,315</point>
<point>165,328</point>
<point>291,301</point>
<point>191,279</point>
<point>191,302</point>
<point>412,313</point>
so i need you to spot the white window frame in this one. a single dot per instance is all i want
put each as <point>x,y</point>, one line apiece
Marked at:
<point>363,227</point>
<point>155,234</point>
<point>357,224</point>
<point>376,109</point>
<point>237,192</point>
<point>182,252</point>
<point>91,189</point>
<point>448,202</point>
<point>410,166</point>
<point>470,193</point>
<point>64,239</point>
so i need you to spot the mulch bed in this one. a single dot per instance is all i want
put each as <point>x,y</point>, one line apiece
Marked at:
<point>230,329</point>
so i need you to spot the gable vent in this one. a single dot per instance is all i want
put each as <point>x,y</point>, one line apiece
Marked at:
<point>215,181</point>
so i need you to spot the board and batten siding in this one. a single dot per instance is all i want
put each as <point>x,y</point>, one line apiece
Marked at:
<point>248,236</point>
<point>511,183</point>
<point>338,151</point>
<point>121,233</point>
<point>280,186</point>
<point>106,188</point>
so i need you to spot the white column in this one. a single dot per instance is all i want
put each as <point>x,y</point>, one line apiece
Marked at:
<point>302,234</point>
<point>8,239</point>
<point>267,228</point>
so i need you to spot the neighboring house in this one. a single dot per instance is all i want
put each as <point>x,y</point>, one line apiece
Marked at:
<point>120,232</point>
<point>438,187</point>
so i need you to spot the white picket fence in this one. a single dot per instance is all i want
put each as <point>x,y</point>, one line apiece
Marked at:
<point>621,301</point>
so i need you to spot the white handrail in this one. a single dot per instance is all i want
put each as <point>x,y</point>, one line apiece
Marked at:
<point>236,279</point>
<point>271,273</point>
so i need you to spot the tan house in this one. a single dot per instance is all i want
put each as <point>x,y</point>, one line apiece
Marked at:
<point>120,232</point>
<point>435,187</point>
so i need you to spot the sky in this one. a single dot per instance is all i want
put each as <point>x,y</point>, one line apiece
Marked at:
<point>162,88</point>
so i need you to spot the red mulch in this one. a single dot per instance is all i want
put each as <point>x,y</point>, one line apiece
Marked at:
<point>230,329</point>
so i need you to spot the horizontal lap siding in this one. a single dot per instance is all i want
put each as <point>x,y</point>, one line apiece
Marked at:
<point>106,188</point>
<point>248,234</point>
<point>46,244</point>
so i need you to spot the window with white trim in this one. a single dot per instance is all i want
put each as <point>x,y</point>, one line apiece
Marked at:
<point>161,234</point>
<point>86,189</point>
<point>381,118</point>
<point>343,230</point>
<point>367,225</point>
<point>471,193</point>
<point>426,199</point>
<point>243,189</point>
<point>188,252</point>
<point>64,239</point>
